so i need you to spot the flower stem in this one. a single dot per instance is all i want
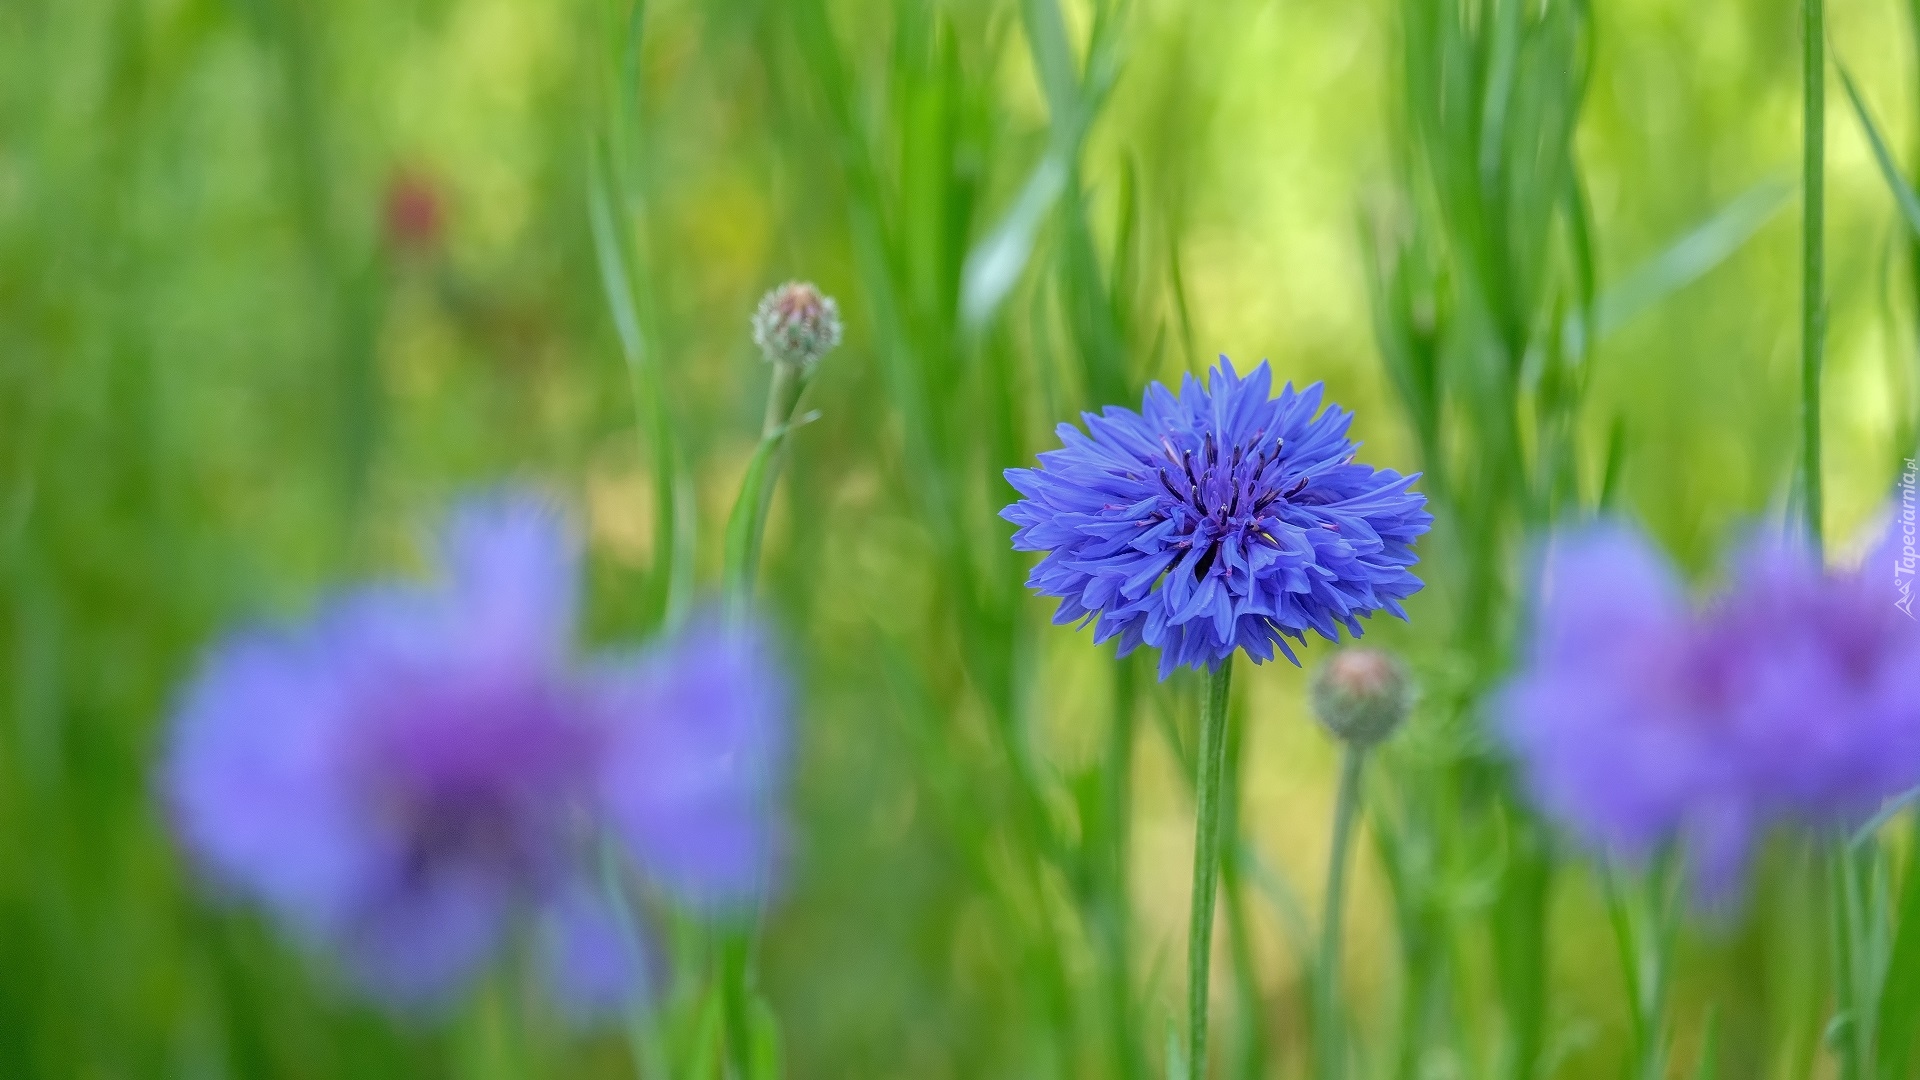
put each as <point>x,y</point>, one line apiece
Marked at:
<point>1208,784</point>
<point>1250,1050</point>
<point>747,524</point>
<point>1643,928</point>
<point>782,395</point>
<point>745,529</point>
<point>1852,1035</point>
<point>736,946</point>
<point>1813,315</point>
<point>1329,1055</point>
<point>643,1043</point>
<point>1118,916</point>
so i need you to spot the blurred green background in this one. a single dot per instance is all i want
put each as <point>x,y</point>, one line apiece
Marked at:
<point>280,278</point>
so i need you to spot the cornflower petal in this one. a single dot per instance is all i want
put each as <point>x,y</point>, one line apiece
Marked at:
<point>698,752</point>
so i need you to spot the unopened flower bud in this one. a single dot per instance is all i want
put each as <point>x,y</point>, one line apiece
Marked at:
<point>1362,695</point>
<point>796,325</point>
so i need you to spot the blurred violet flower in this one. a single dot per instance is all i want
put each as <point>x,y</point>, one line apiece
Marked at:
<point>691,781</point>
<point>415,769</point>
<point>1216,520</point>
<point>1640,721</point>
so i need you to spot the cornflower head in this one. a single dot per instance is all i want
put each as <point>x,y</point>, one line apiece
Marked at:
<point>416,769</point>
<point>1217,519</point>
<point>1640,720</point>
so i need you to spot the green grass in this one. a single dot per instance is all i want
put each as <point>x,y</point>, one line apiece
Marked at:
<point>1540,248</point>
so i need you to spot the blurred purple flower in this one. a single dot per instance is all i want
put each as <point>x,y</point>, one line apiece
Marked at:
<point>692,778</point>
<point>407,774</point>
<point>1639,721</point>
<point>1217,520</point>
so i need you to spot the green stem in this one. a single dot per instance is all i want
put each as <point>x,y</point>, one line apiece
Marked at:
<point>1119,914</point>
<point>1913,242</point>
<point>743,563</point>
<point>643,1045</point>
<point>783,395</point>
<point>1329,1047</point>
<point>1208,782</point>
<point>1813,314</point>
<point>736,949</point>
<point>747,524</point>
<point>1250,1052</point>
<point>1847,1029</point>
<point>1628,945</point>
<point>1643,925</point>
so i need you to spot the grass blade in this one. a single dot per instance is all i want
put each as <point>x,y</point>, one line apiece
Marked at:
<point>1903,193</point>
<point>612,264</point>
<point>672,488</point>
<point>1813,259</point>
<point>996,263</point>
<point>994,266</point>
<point>1900,996</point>
<point>1692,256</point>
<point>1615,463</point>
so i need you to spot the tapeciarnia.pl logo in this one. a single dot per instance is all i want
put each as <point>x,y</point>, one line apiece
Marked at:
<point>1903,566</point>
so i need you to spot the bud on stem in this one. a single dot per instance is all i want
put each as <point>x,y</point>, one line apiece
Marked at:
<point>796,325</point>
<point>1361,696</point>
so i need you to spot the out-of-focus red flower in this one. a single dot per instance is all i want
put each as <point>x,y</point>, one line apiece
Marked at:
<point>415,212</point>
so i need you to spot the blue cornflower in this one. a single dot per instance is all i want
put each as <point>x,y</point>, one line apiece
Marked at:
<point>416,769</point>
<point>1641,720</point>
<point>1217,520</point>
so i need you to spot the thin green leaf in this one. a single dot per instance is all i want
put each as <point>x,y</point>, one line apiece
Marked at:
<point>1616,463</point>
<point>1052,55</point>
<point>674,521</point>
<point>1813,268</point>
<point>1691,257</point>
<point>611,258</point>
<point>1579,211</point>
<point>1903,193</point>
<point>996,263</point>
<point>1500,79</point>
